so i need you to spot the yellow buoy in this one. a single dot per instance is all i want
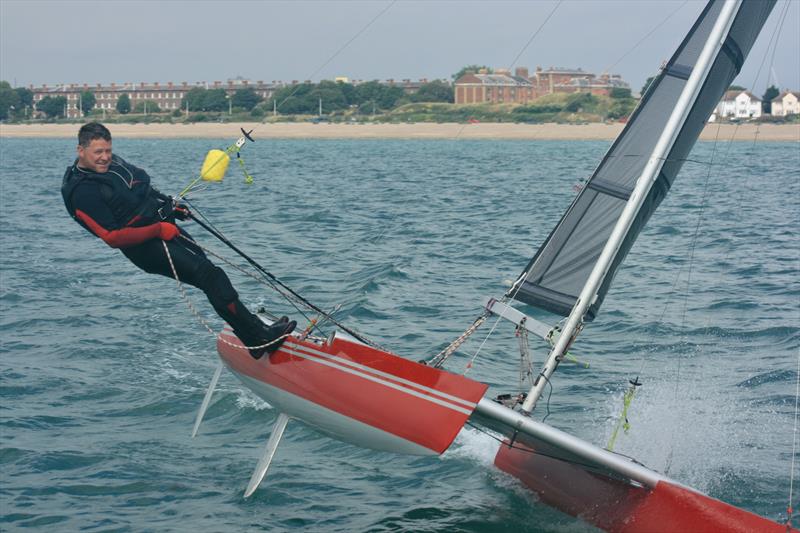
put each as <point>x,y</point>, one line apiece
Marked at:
<point>215,165</point>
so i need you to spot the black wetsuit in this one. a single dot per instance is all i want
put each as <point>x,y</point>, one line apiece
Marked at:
<point>122,208</point>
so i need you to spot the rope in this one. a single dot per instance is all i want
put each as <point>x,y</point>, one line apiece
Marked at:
<point>200,319</point>
<point>439,359</point>
<point>288,296</point>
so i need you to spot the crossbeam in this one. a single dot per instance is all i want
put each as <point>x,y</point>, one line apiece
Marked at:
<point>518,318</point>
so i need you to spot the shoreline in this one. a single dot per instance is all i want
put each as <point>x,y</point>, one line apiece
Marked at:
<point>483,131</point>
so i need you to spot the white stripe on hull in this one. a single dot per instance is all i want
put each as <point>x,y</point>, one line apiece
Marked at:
<point>335,424</point>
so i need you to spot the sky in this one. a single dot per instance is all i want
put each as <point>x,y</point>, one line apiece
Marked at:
<point>121,41</point>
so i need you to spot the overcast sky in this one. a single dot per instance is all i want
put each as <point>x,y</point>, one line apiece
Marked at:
<point>52,42</point>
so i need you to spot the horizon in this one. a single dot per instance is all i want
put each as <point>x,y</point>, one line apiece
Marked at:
<point>363,41</point>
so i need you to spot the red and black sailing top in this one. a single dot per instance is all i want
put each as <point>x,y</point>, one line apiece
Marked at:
<point>119,206</point>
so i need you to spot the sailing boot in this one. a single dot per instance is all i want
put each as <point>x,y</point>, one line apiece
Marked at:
<point>252,331</point>
<point>273,336</point>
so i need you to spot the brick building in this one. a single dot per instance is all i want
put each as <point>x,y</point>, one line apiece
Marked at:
<point>168,96</point>
<point>502,87</point>
<point>499,87</point>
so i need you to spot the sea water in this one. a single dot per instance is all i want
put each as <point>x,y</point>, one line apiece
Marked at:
<point>103,367</point>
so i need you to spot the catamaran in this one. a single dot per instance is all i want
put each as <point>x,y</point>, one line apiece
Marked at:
<point>352,389</point>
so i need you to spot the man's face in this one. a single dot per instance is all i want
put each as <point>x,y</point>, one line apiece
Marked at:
<point>96,156</point>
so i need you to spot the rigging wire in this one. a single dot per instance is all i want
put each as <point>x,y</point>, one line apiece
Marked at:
<point>538,30</point>
<point>773,41</point>
<point>336,53</point>
<point>774,38</point>
<point>789,510</point>
<point>643,39</point>
<point>522,50</point>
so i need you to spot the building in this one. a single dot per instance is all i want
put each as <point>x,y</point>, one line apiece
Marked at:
<point>502,87</point>
<point>168,96</point>
<point>739,104</point>
<point>786,103</point>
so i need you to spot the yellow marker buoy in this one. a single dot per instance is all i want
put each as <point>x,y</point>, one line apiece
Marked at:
<point>215,165</point>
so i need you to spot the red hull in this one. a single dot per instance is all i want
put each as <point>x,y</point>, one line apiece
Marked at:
<point>621,507</point>
<point>352,390</point>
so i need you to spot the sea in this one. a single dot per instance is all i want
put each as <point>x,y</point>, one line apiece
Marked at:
<point>103,367</point>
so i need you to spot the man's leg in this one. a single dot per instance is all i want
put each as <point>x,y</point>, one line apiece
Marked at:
<point>194,268</point>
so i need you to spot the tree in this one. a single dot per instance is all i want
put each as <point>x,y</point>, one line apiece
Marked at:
<point>52,106</point>
<point>647,84</point>
<point>149,106</point>
<point>620,93</point>
<point>737,88</point>
<point>245,98</point>
<point>124,104</point>
<point>215,100</point>
<point>766,100</point>
<point>193,99</point>
<point>435,91</point>
<point>87,101</point>
<point>25,96</point>
<point>470,68</point>
<point>331,95</point>
<point>9,100</point>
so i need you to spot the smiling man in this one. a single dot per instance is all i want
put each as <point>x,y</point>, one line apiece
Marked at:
<point>114,201</point>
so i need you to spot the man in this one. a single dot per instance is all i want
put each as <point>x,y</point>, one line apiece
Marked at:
<point>114,201</point>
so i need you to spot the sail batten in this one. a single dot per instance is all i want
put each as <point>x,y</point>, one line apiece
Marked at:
<point>557,274</point>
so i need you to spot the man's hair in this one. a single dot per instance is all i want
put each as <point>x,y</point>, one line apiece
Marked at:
<point>91,131</point>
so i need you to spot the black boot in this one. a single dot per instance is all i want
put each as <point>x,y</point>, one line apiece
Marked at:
<point>273,336</point>
<point>251,330</point>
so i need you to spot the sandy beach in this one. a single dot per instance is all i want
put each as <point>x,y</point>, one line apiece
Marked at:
<point>301,130</point>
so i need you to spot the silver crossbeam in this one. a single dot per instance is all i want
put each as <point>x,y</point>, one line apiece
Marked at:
<point>518,318</point>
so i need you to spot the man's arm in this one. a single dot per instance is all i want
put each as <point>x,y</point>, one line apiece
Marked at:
<point>91,209</point>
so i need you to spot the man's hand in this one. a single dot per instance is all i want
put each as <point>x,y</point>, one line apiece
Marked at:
<point>167,231</point>
<point>181,211</point>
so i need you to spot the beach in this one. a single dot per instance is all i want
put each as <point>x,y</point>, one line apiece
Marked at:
<point>308,130</point>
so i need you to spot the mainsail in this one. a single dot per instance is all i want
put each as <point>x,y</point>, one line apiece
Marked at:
<point>554,278</point>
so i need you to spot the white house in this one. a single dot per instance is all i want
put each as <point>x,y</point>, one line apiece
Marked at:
<point>786,103</point>
<point>739,104</point>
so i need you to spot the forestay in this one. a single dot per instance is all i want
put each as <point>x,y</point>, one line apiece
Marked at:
<point>555,276</point>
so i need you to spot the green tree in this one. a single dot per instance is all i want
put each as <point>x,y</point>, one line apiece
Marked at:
<point>737,88</point>
<point>194,99</point>
<point>435,91</point>
<point>9,100</point>
<point>620,93</point>
<point>151,107</point>
<point>470,68</point>
<point>647,84</point>
<point>348,91</point>
<point>124,104</point>
<point>87,101</point>
<point>52,106</point>
<point>215,100</point>
<point>766,100</point>
<point>331,95</point>
<point>296,99</point>
<point>580,102</point>
<point>246,98</point>
<point>25,96</point>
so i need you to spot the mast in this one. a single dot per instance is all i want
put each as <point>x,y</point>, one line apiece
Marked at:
<point>645,181</point>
